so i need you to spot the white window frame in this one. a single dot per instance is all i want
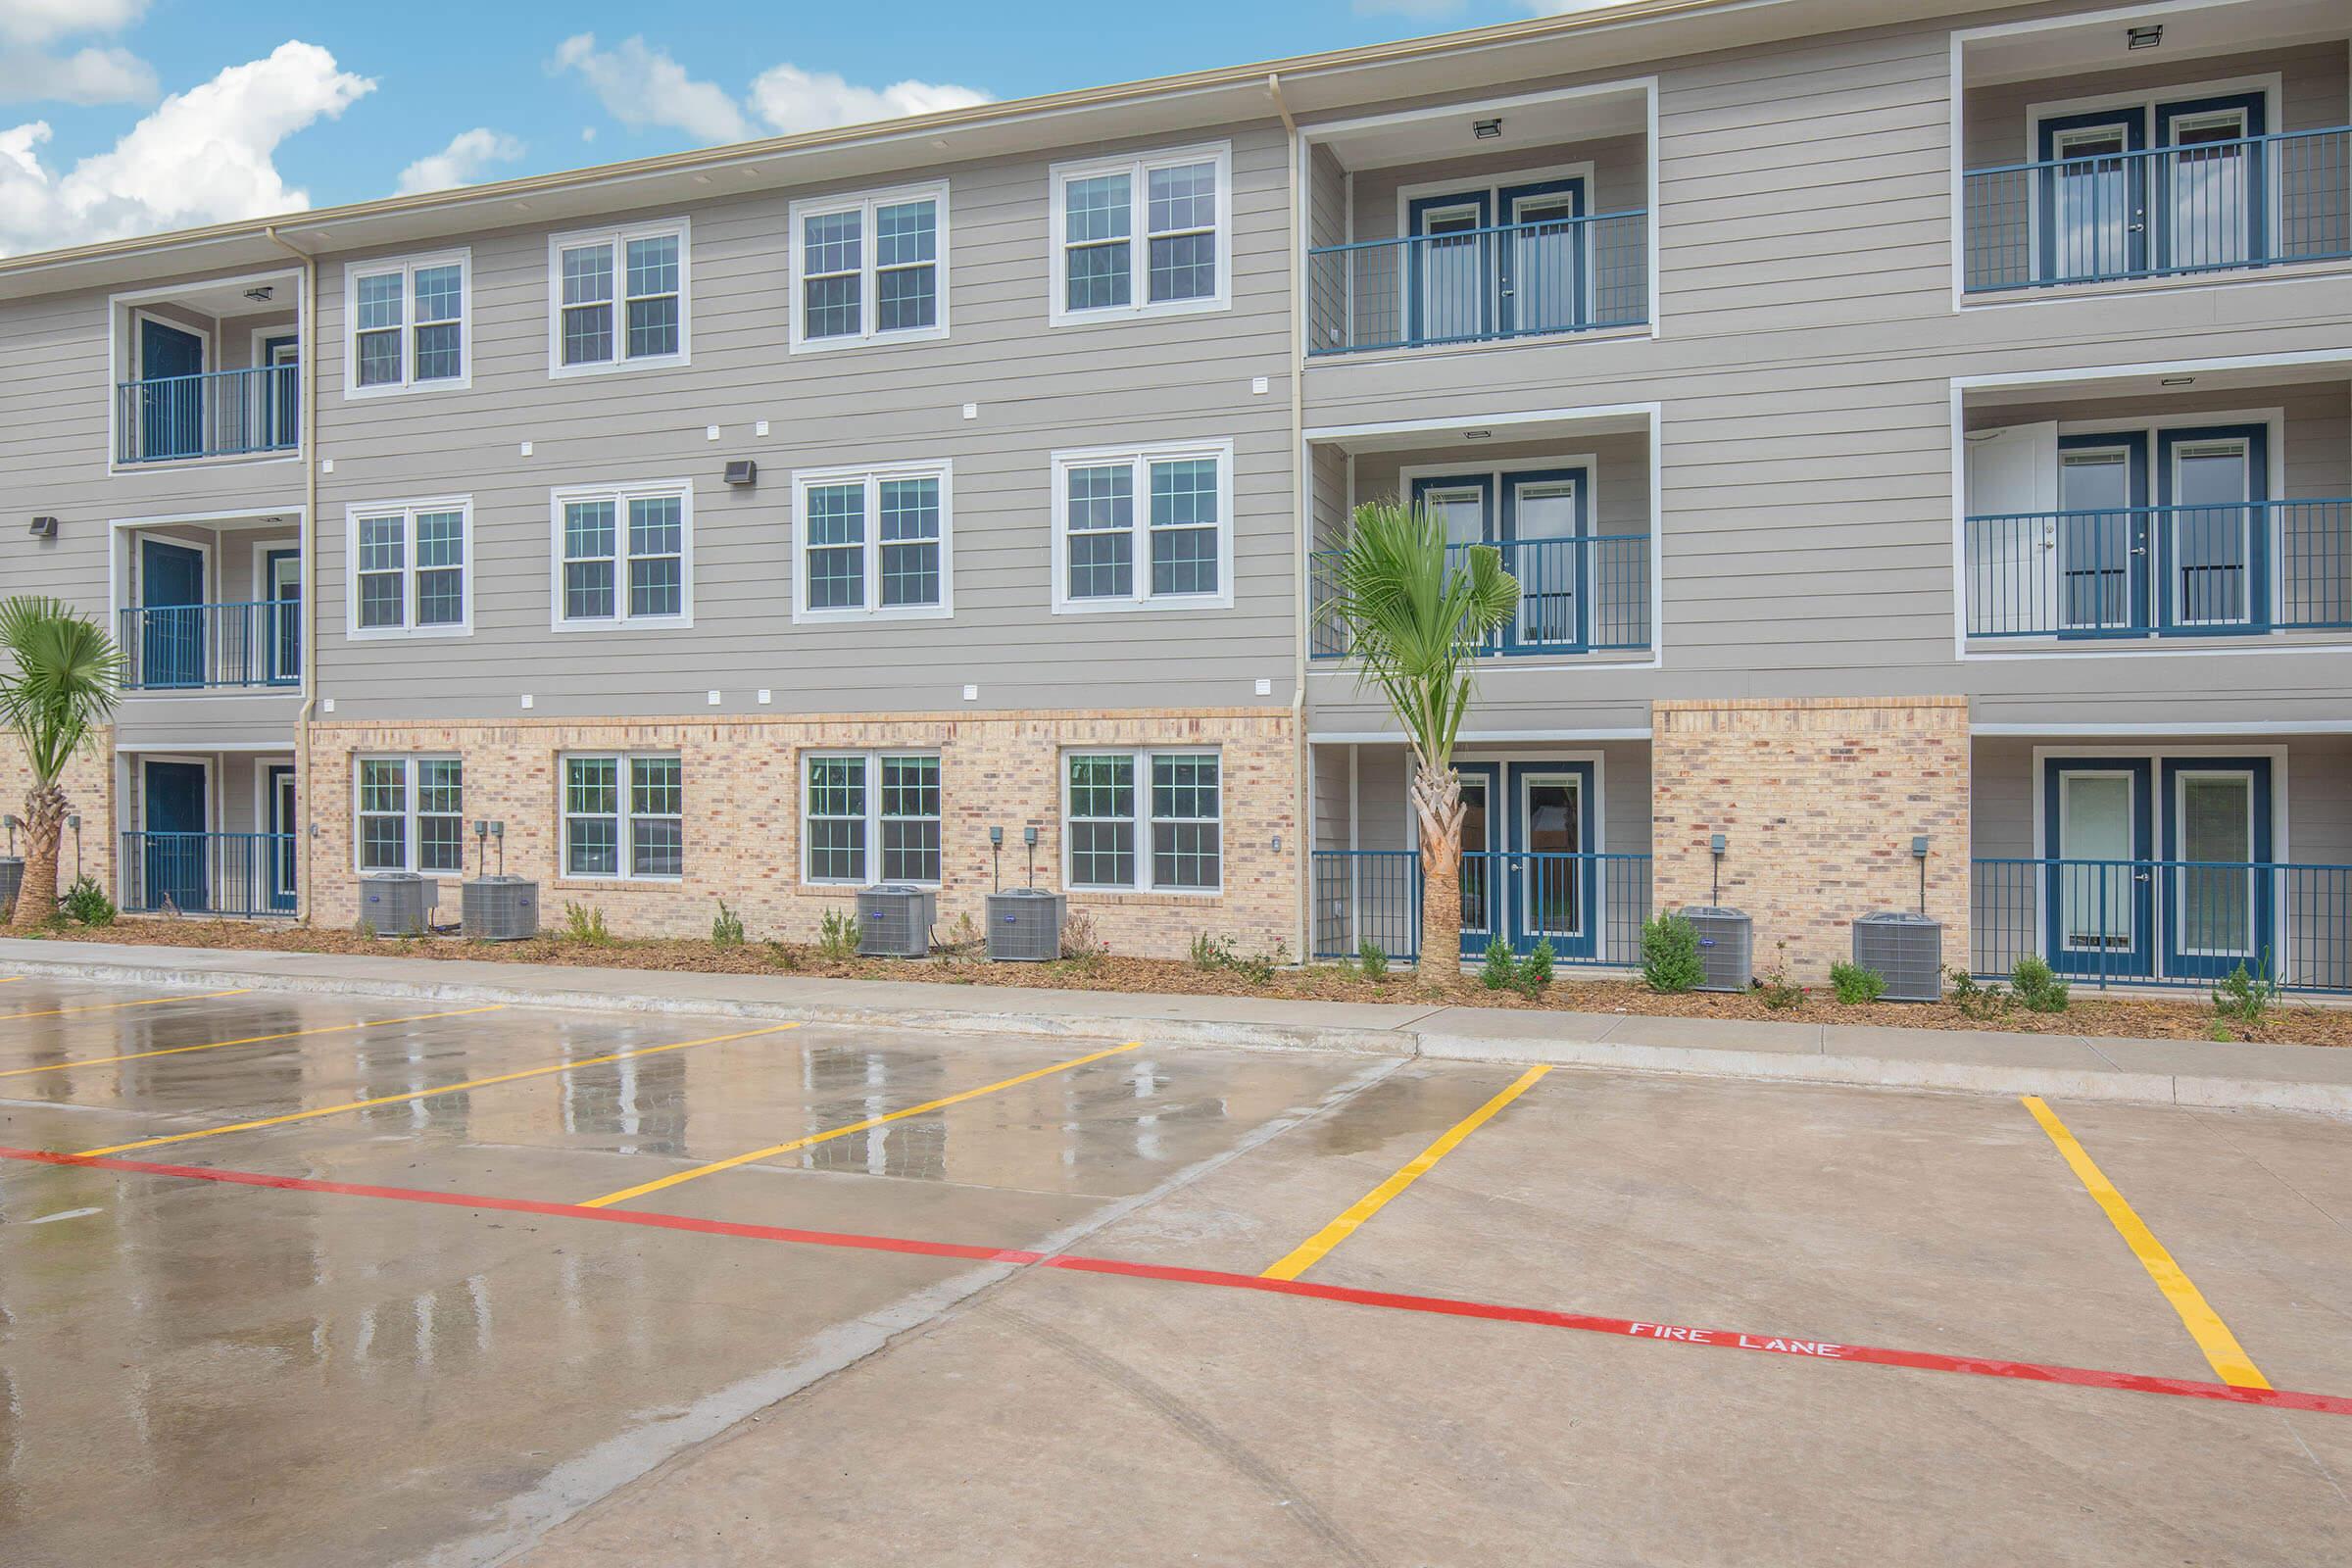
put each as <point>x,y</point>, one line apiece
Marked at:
<point>869,270</point>
<point>624,820</point>
<point>409,511</point>
<point>408,266</point>
<point>1139,166</point>
<point>619,238</point>
<point>1141,459</point>
<point>1142,757</point>
<point>620,495</point>
<point>411,815</point>
<point>872,476</point>
<point>874,760</point>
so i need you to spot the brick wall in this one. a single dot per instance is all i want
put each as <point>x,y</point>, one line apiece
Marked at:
<point>90,790</point>
<point>743,824</point>
<point>1819,798</point>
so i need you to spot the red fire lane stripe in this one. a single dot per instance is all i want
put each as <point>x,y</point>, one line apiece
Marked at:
<point>1389,1301</point>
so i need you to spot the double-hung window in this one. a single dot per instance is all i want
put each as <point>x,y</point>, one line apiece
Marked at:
<point>1150,236</point>
<point>624,555</point>
<point>872,542</point>
<point>621,298</point>
<point>411,568</point>
<point>870,816</point>
<point>1143,529</point>
<point>1142,820</point>
<point>869,269</point>
<point>411,815</point>
<point>624,816</point>
<point>407,324</point>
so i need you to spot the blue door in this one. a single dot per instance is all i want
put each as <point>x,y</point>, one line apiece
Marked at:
<point>2101,537</point>
<point>170,616</point>
<point>1554,891</point>
<point>281,612</point>
<point>280,403</point>
<point>1545,515</point>
<point>1542,258</point>
<point>2213,538</point>
<point>2211,205</point>
<point>170,391</point>
<point>2218,895</point>
<point>2100,899</point>
<point>2092,206</point>
<point>173,796</point>
<point>1482,867</point>
<point>279,857</point>
<point>1450,275</point>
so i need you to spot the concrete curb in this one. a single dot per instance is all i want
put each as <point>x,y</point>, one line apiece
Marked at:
<point>2113,1083</point>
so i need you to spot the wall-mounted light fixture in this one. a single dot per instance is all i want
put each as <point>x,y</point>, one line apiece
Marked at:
<point>1485,129</point>
<point>2178,380</point>
<point>262,295</point>
<point>43,529</point>
<point>2147,37</point>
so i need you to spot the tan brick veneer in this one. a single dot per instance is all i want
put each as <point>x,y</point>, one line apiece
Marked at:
<point>89,790</point>
<point>1819,798</point>
<point>743,829</point>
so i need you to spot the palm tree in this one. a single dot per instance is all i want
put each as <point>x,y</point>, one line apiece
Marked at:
<point>1416,619</point>
<point>62,689</point>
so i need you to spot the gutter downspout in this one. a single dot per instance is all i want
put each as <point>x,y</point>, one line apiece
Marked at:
<point>306,331</point>
<point>1302,836</point>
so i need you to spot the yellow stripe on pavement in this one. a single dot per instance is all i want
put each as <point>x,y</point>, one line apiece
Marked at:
<point>108,1006</point>
<point>1311,1252</point>
<point>2228,1358</point>
<point>773,1150</point>
<point>249,1040</point>
<point>428,1094</point>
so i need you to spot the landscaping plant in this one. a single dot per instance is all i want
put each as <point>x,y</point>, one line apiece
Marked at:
<point>1416,616</point>
<point>584,924</point>
<point>1081,943</point>
<point>1856,983</point>
<point>63,677</point>
<point>837,935</point>
<point>1670,955</point>
<point>2246,998</point>
<point>1535,971</point>
<point>1976,999</point>
<point>1500,971</point>
<point>1777,991</point>
<point>726,927</point>
<point>2036,986</point>
<point>1372,958</point>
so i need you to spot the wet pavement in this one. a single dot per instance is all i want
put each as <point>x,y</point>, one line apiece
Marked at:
<point>267,1371</point>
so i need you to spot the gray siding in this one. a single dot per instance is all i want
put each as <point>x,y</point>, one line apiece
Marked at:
<point>2311,81</point>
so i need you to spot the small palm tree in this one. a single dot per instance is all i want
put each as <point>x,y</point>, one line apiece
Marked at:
<point>61,690</point>
<point>1416,619</point>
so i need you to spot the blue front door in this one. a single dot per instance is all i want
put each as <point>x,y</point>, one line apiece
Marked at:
<point>173,796</point>
<point>171,614</point>
<point>280,403</point>
<point>1450,275</point>
<point>2099,902</point>
<point>281,612</point>
<point>170,391</point>
<point>1545,513</point>
<point>1543,258</point>
<point>1483,867</point>
<point>1554,891</point>
<point>2212,537</point>
<point>2218,895</point>
<point>278,858</point>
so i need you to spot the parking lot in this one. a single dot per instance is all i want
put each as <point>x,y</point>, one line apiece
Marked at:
<point>332,1280</point>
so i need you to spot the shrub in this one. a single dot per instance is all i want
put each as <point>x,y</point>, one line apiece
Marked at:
<point>2244,996</point>
<point>1856,983</point>
<point>1372,958</point>
<point>1535,971</point>
<point>584,924</point>
<point>726,927</point>
<point>783,956</point>
<point>837,935</point>
<point>1670,955</point>
<point>1257,967</point>
<point>2037,987</point>
<point>1778,990</point>
<point>1081,943</point>
<point>1211,953</point>
<point>1500,971</point>
<point>1976,999</point>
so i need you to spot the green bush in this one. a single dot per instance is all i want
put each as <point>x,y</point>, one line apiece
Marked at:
<point>1778,990</point>
<point>1501,969</point>
<point>1670,955</point>
<point>1372,958</point>
<point>584,924</point>
<point>86,901</point>
<point>1211,953</point>
<point>837,935</point>
<point>1856,983</point>
<point>2036,986</point>
<point>726,927</point>
<point>1977,999</point>
<point>2245,996</point>
<point>1535,971</point>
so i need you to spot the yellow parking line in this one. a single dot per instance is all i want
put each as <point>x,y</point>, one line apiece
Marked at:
<point>2228,1358</point>
<point>428,1094</point>
<point>10,980</point>
<point>108,1006</point>
<point>773,1150</point>
<point>249,1040</point>
<point>1311,1252</point>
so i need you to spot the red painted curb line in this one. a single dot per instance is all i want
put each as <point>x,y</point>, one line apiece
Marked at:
<point>1390,1301</point>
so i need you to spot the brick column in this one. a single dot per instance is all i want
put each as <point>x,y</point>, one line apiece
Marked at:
<point>1819,798</point>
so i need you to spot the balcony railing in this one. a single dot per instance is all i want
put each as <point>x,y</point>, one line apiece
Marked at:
<point>2164,922</point>
<point>2241,569</point>
<point>2164,211</point>
<point>219,413</point>
<point>1568,275</point>
<point>199,647</point>
<point>1584,595</point>
<point>232,874</point>
<point>1588,907</point>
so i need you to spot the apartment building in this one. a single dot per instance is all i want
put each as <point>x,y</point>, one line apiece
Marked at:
<point>1923,433</point>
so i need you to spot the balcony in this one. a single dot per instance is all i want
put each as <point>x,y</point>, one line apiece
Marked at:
<point>215,414</point>
<point>1576,596</point>
<point>212,605</point>
<point>1475,285</point>
<point>232,876</point>
<point>170,648</point>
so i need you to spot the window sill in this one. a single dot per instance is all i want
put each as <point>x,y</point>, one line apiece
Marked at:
<point>852,617</point>
<point>617,884</point>
<point>642,623</point>
<point>1161,604</point>
<point>451,383</point>
<point>1137,897</point>
<point>1127,315</point>
<point>873,340</point>
<point>651,362</point>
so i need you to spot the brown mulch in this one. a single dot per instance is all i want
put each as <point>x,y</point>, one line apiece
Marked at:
<point>2189,1019</point>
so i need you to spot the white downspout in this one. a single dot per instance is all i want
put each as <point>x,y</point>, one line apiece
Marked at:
<point>1302,844</point>
<point>306,331</point>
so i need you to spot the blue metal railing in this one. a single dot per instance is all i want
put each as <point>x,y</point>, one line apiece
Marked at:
<point>2161,211</point>
<point>1588,907</point>
<point>193,646</point>
<point>2164,922</point>
<point>2138,571</point>
<point>218,413</point>
<point>1582,595</point>
<point>233,874</point>
<point>1568,275</point>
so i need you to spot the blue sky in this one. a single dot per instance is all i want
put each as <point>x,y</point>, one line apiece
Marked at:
<point>121,116</point>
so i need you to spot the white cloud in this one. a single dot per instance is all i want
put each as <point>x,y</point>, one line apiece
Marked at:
<point>791,99</point>
<point>203,156</point>
<point>641,86</point>
<point>39,21</point>
<point>468,154</point>
<point>86,76</point>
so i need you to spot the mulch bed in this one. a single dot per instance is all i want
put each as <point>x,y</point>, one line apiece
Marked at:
<point>2189,1019</point>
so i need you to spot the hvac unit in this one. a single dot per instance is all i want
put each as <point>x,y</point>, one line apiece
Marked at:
<point>499,908</point>
<point>11,878</point>
<point>1907,949</point>
<point>894,921</point>
<point>1727,948</point>
<point>1024,925</point>
<point>398,903</point>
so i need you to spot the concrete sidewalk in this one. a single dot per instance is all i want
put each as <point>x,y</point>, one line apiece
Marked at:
<point>2306,1078</point>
